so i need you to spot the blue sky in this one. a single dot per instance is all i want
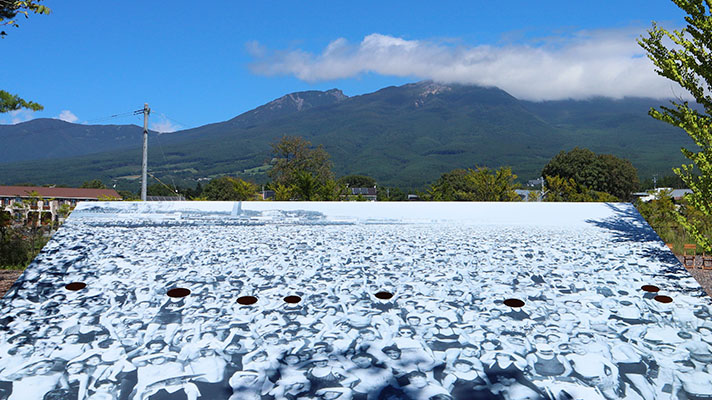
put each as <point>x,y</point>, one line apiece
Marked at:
<point>91,59</point>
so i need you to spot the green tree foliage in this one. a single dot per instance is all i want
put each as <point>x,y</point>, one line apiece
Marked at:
<point>301,171</point>
<point>9,10</point>
<point>391,194</point>
<point>685,57</point>
<point>227,188</point>
<point>11,102</point>
<point>93,184</point>
<point>306,187</point>
<point>282,192</point>
<point>331,190</point>
<point>128,195</point>
<point>357,181</point>
<point>159,189</point>
<point>451,186</point>
<point>567,189</point>
<point>663,215</point>
<point>598,172</point>
<point>481,184</point>
<point>194,193</point>
<point>293,156</point>
<point>14,249</point>
<point>668,181</point>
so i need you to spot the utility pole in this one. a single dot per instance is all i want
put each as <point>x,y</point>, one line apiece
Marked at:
<point>144,163</point>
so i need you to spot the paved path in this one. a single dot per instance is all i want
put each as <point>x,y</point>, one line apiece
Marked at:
<point>7,278</point>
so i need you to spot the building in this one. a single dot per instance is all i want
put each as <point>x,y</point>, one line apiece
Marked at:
<point>25,200</point>
<point>676,194</point>
<point>367,193</point>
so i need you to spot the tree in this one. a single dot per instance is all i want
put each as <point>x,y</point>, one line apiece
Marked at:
<point>669,181</point>
<point>567,189</point>
<point>687,62</point>
<point>293,155</point>
<point>391,194</point>
<point>481,184</point>
<point>11,102</point>
<point>159,189</point>
<point>599,172</point>
<point>9,9</point>
<point>451,186</point>
<point>93,184</point>
<point>227,188</point>
<point>128,195</point>
<point>306,187</point>
<point>356,181</point>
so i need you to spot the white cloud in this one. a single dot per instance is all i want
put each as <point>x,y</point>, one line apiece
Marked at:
<point>17,116</point>
<point>588,63</point>
<point>68,116</point>
<point>164,125</point>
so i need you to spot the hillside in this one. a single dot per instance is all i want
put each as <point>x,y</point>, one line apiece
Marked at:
<point>405,135</point>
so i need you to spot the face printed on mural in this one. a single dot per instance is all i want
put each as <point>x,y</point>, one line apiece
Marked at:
<point>445,334</point>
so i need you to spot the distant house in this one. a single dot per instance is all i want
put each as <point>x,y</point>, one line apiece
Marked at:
<point>676,194</point>
<point>535,182</point>
<point>268,194</point>
<point>47,200</point>
<point>367,193</point>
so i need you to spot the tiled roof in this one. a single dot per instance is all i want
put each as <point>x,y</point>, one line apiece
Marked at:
<point>56,192</point>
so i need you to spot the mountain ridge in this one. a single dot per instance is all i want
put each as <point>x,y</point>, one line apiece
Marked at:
<point>404,135</point>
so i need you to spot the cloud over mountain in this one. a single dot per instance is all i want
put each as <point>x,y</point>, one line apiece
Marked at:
<point>164,125</point>
<point>68,116</point>
<point>586,64</point>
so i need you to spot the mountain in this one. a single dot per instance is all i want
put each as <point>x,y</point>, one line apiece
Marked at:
<point>45,138</point>
<point>42,139</point>
<point>406,135</point>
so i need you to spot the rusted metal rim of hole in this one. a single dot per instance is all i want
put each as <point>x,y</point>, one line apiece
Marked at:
<point>650,288</point>
<point>516,303</point>
<point>663,299</point>
<point>292,299</point>
<point>75,286</point>
<point>247,300</point>
<point>178,292</point>
<point>383,295</point>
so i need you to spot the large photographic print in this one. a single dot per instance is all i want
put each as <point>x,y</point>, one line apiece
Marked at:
<point>362,301</point>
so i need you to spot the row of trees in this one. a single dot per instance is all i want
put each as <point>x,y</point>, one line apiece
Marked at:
<point>301,171</point>
<point>577,175</point>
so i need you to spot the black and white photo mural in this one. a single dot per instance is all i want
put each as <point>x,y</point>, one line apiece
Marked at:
<point>355,301</point>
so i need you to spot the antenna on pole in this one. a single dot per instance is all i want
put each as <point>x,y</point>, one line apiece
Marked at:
<point>144,164</point>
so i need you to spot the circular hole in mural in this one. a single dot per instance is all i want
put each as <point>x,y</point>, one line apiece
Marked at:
<point>663,299</point>
<point>75,286</point>
<point>514,303</point>
<point>178,292</point>
<point>247,300</point>
<point>650,288</point>
<point>384,295</point>
<point>292,299</point>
